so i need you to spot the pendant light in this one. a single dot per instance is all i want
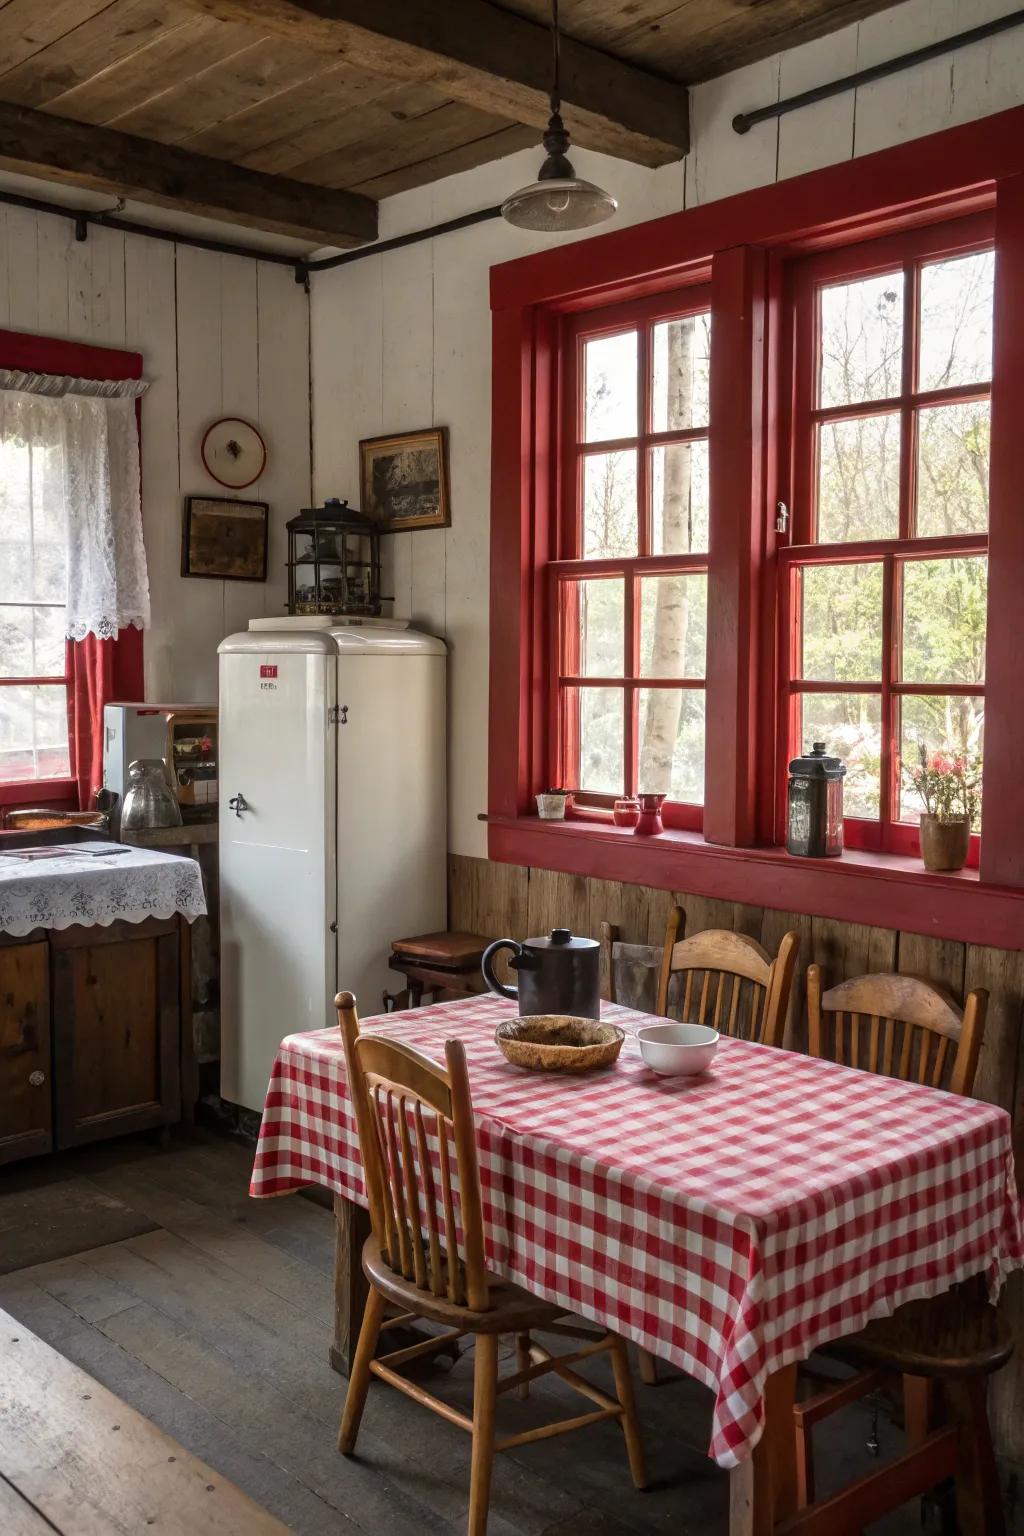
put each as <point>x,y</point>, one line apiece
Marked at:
<point>558,199</point>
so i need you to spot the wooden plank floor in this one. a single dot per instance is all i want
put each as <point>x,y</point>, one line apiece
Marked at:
<point>216,1322</point>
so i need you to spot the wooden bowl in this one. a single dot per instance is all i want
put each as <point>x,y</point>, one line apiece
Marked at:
<point>558,1042</point>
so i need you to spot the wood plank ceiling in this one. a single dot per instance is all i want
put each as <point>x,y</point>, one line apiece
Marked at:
<point>312,110</point>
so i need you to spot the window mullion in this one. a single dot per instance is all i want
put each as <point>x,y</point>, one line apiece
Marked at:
<point>888,798</point>
<point>631,745</point>
<point>645,420</point>
<point>908,414</point>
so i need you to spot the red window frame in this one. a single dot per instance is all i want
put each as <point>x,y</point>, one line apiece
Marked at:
<point>906,253</point>
<point>23,351</point>
<point>742,244</point>
<point>570,566</point>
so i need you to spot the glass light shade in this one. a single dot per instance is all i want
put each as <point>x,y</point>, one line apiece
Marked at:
<point>559,203</point>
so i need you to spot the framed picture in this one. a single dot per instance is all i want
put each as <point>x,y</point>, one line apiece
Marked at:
<point>224,539</point>
<point>405,480</point>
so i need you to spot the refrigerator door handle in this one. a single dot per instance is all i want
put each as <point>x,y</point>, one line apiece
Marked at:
<point>238,804</point>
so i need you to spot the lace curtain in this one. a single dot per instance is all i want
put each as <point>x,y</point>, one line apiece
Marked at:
<point>80,478</point>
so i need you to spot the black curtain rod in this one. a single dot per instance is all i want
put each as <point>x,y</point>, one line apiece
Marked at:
<point>83,217</point>
<point>744,121</point>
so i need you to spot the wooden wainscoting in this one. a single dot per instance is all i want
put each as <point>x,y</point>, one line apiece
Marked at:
<point>502,900</point>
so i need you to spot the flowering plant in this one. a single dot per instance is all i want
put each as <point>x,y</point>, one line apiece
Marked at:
<point>949,784</point>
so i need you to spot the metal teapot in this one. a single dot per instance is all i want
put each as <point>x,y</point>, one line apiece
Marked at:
<point>559,974</point>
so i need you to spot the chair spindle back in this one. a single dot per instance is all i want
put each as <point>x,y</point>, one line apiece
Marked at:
<point>728,981</point>
<point>408,1109</point>
<point>900,1026</point>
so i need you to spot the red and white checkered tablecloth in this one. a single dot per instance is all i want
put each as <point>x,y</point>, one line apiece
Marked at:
<point>730,1223</point>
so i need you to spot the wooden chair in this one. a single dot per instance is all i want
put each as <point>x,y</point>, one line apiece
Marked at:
<point>942,1348</point>
<point>743,990</point>
<point>629,972</point>
<point>426,1257</point>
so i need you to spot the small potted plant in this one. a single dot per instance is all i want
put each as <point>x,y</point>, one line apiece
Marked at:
<point>948,784</point>
<point>551,804</point>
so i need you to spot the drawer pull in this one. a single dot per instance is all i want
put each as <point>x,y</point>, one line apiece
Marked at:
<point>37,1078</point>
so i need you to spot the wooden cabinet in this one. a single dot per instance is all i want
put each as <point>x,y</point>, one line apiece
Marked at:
<point>26,1091</point>
<point>95,1029</point>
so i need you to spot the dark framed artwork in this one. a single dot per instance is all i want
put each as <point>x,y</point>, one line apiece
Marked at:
<point>224,539</point>
<point>405,480</point>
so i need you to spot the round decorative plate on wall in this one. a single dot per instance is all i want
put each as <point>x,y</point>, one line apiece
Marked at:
<point>233,452</point>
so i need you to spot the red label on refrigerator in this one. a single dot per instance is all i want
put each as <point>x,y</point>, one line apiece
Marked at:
<point>268,671</point>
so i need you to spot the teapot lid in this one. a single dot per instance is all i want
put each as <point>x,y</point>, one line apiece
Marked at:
<point>562,938</point>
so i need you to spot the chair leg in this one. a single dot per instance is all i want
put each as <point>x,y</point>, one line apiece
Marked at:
<point>920,1407</point>
<point>630,1421</point>
<point>359,1380</point>
<point>979,1502</point>
<point>804,1463</point>
<point>485,1383</point>
<point>648,1368</point>
<point>523,1362</point>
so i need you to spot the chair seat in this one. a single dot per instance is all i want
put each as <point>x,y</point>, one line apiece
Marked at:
<point>512,1309</point>
<point>956,1334</point>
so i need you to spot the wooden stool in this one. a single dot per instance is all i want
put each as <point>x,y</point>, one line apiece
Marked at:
<point>436,962</point>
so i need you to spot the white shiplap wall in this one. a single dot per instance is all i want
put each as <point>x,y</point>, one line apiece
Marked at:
<point>219,335</point>
<point>403,340</point>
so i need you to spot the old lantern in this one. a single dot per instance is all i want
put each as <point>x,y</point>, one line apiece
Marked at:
<point>333,561</point>
<point>815,827</point>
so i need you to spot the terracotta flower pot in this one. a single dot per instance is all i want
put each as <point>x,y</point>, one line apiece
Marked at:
<point>944,844</point>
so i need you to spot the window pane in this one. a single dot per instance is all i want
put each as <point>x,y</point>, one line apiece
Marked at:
<point>952,727</point>
<point>952,468</point>
<point>956,321</point>
<point>861,340</point>
<point>680,360</point>
<point>944,608</point>
<point>609,504</point>
<point>594,628</point>
<point>33,733</point>
<point>842,622</point>
<point>673,625</point>
<point>31,642</point>
<point>610,375</point>
<point>679,499</point>
<point>32,525</point>
<point>671,743</point>
<point>859,479</point>
<point>594,720</point>
<point>851,726</point>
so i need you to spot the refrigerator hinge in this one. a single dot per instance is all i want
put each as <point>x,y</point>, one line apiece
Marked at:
<point>338,714</point>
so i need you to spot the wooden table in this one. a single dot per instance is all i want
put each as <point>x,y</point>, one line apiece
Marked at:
<point>76,1460</point>
<point>836,1204</point>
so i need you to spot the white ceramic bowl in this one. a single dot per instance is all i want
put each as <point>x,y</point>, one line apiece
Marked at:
<point>677,1050</point>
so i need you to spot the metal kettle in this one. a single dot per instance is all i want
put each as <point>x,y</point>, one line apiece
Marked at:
<point>559,974</point>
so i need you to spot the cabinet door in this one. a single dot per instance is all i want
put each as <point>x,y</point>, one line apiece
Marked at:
<point>26,1102</point>
<point>116,1022</point>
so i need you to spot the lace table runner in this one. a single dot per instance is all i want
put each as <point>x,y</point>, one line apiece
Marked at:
<point>96,883</point>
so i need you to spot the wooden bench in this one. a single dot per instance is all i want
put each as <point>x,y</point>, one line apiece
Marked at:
<point>76,1460</point>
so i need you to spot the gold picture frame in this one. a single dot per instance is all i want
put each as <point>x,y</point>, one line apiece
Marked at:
<point>404,480</point>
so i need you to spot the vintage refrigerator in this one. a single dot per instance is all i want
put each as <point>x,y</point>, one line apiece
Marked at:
<point>332,824</point>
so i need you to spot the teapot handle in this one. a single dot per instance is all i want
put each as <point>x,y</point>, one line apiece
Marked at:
<point>487,966</point>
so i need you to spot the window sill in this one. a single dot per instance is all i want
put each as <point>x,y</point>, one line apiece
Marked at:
<point>884,890</point>
<point>29,793</point>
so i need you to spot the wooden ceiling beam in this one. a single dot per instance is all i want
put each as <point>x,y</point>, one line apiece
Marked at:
<point>488,58</point>
<point>104,160</point>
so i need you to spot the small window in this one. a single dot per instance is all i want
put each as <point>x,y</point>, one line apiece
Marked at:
<point>885,586</point>
<point>630,586</point>
<point>33,652</point>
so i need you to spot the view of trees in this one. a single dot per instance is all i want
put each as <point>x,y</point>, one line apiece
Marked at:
<point>33,719</point>
<point>941,602</point>
<point>673,608</point>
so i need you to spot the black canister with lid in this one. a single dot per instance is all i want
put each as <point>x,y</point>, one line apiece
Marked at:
<point>814,828</point>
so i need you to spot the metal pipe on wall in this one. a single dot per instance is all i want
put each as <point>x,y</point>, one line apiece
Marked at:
<point>744,121</point>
